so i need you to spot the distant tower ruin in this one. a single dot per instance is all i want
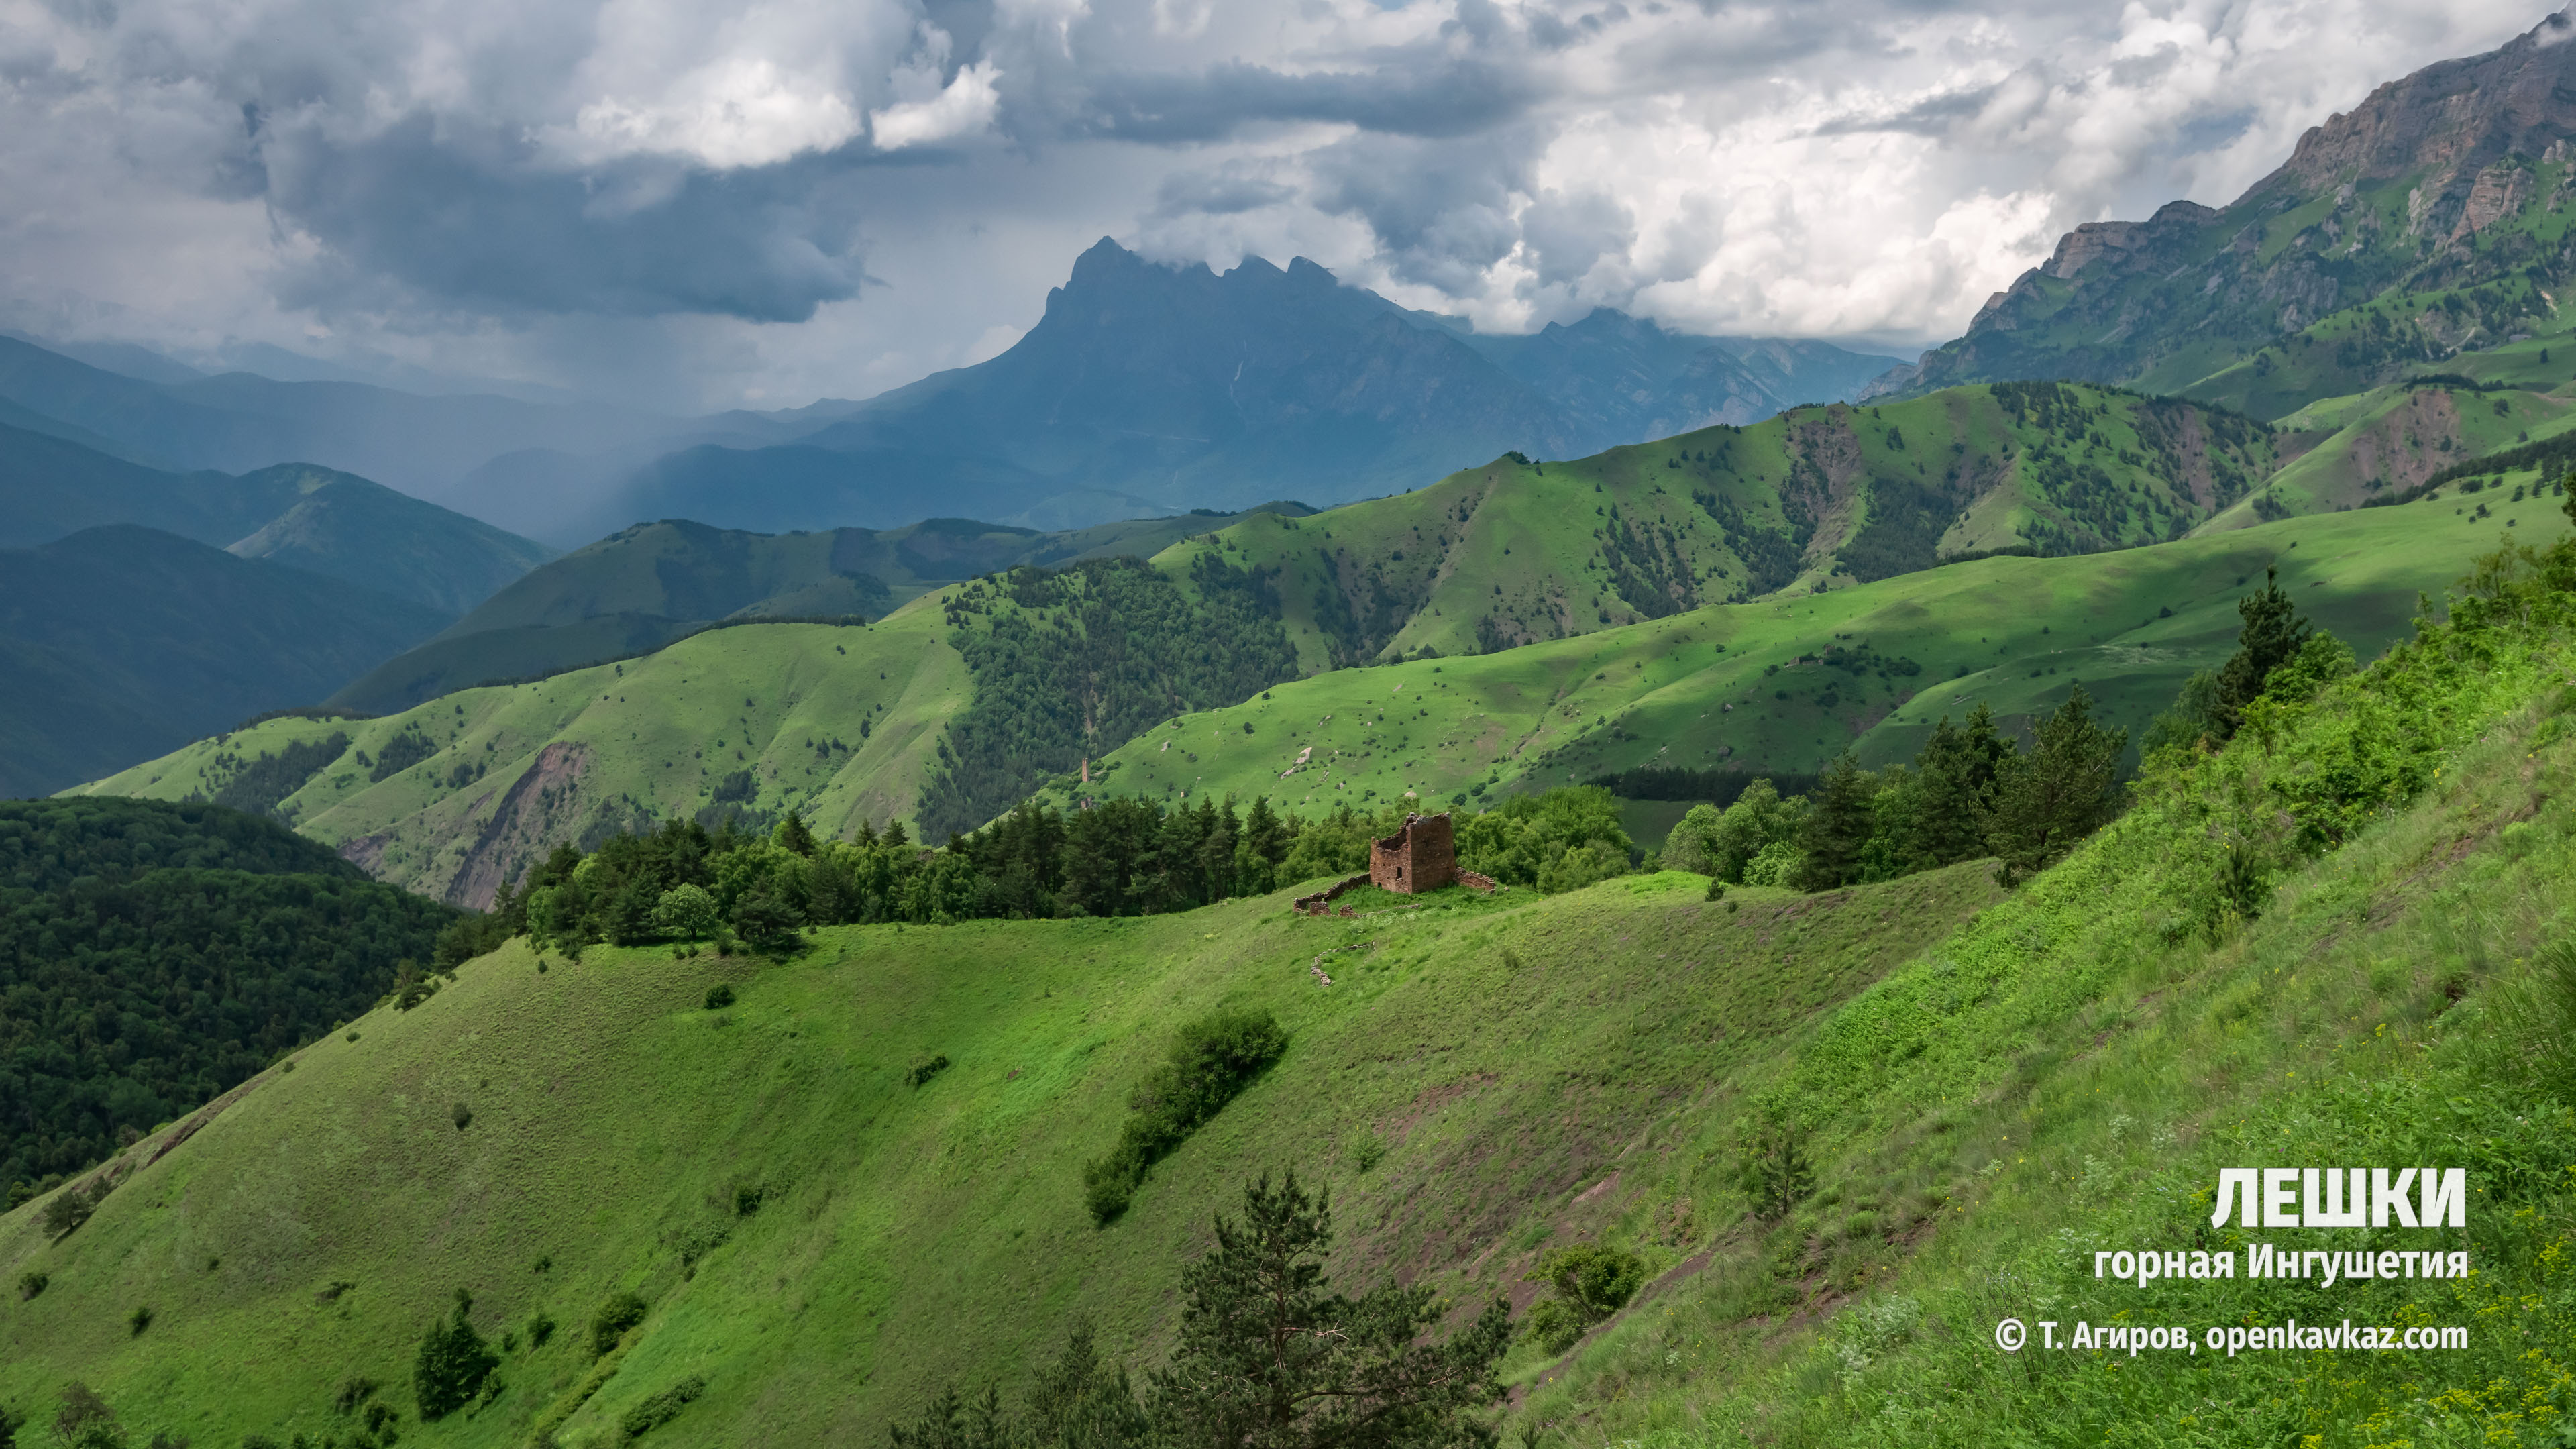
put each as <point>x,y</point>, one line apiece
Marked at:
<point>1423,856</point>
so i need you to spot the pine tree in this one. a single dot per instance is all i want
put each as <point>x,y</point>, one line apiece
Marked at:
<point>2272,634</point>
<point>453,1363</point>
<point>1268,1360</point>
<point>1954,777</point>
<point>1838,829</point>
<point>2059,792</point>
<point>794,834</point>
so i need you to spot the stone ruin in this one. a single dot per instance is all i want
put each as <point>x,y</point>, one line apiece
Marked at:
<point>1423,856</point>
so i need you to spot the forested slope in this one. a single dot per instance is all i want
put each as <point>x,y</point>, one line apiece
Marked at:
<point>153,956</point>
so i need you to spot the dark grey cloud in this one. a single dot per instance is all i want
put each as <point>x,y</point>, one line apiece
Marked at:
<point>475,222</point>
<point>1450,99</point>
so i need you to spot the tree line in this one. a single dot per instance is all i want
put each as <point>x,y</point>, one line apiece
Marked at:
<point>1972,791</point>
<point>1124,856</point>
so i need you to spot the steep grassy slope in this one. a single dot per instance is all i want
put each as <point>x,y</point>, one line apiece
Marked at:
<point>642,587</point>
<point>840,722</point>
<point>1992,1089</point>
<point>1786,684</point>
<point>1819,498</point>
<point>2071,1073</point>
<point>903,1235</point>
<point>119,643</point>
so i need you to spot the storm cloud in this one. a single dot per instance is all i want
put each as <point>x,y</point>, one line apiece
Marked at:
<point>711,202</point>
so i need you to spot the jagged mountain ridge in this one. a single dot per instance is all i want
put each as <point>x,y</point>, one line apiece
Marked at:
<point>2428,219</point>
<point>1148,387</point>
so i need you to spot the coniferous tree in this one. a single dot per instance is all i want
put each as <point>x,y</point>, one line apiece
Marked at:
<point>794,834</point>
<point>1838,829</point>
<point>1267,1359</point>
<point>2272,634</point>
<point>2059,792</point>
<point>454,1361</point>
<point>1955,780</point>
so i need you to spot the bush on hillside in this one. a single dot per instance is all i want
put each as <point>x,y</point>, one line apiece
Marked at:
<point>1591,1281</point>
<point>1772,1165</point>
<point>1209,1062</point>
<point>612,1320</point>
<point>85,1421</point>
<point>452,1364</point>
<point>661,1408</point>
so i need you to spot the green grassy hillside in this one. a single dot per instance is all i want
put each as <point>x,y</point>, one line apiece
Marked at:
<point>1813,500</point>
<point>453,797</point>
<point>903,1236</point>
<point>1788,683</point>
<point>501,774</point>
<point>1990,1090</point>
<point>120,642</point>
<point>642,587</point>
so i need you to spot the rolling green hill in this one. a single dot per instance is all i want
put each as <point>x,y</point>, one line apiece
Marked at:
<point>1989,1090</point>
<point>495,776</point>
<point>1788,683</point>
<point>642,587</point>
<point>296,514</point>
<point>120,643</point>
<point>1815,499</point>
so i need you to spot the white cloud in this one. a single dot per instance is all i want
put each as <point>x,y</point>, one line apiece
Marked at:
<point>930,112</point>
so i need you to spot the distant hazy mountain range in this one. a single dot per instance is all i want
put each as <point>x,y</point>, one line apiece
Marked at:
<point>140,609</point>
<point>1148,388</point>
<point>119,642</point>
<point>1144,390</point>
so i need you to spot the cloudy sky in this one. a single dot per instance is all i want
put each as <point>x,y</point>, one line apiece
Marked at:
<point>710,203</point>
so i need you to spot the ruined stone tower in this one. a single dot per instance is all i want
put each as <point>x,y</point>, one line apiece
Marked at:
<point>1423,856</point>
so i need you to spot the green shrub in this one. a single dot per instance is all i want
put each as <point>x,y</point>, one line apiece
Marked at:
<point>31,1283</point>
<point>453,1363</point>
<point>353,1392</point>
<point>1209,1062</point>
<point>73,1205</point>
<point>662,1408</point>
<point>464,1116</point>
<point>615,1316</point>
<point>139,1320</point>
<point>747,1198</point>
<point>719,996</point>
<point>925,1068</point>
<point>540,1329</point>
<point>1552,1326</point>
<point>85,1421</point>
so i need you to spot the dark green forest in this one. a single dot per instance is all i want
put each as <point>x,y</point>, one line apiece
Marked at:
<point>1079,661</point>
<point>155,955</point>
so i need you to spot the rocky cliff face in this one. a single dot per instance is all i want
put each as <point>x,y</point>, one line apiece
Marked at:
<point>2418,187</point>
